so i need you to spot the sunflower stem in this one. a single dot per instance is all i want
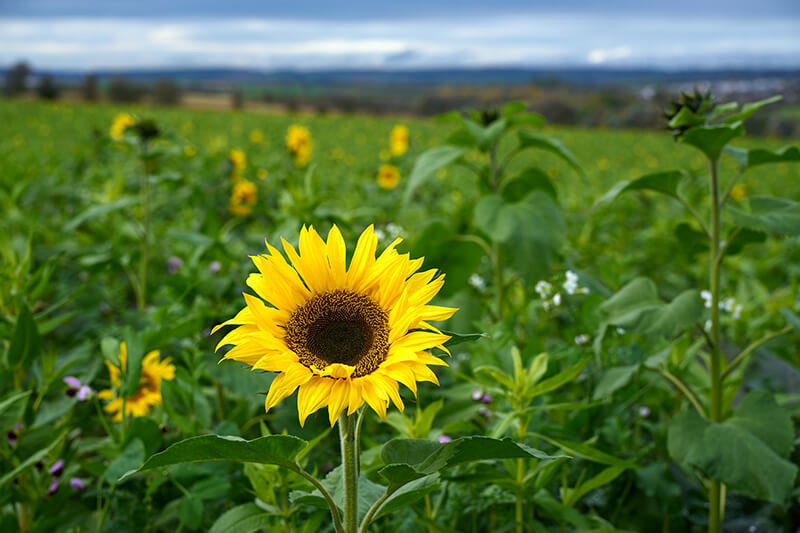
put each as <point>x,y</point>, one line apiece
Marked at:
<point>145,259</point>
<point>347,436</point>
<point>715,492</point>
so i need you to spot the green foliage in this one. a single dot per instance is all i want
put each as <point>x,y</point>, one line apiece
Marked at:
<point>747,452</point>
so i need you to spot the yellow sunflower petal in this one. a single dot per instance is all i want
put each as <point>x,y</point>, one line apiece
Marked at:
<point>340,391</point>
<point>286,383</point>
<point>313,396</point>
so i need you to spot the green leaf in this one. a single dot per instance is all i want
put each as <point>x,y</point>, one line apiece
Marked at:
<point>245,518</point>
<point>128,461</point>
<point>273,449</point>
<point>533,230</point>
<point>606,476</point>
<point>26,344</point>
<point>209,489</point>
<point>760,156</point>
<point>791,319</point>
<point>428,163</point>
<point>408,494</point>
<point>190,511</point>
<point>510,109</point>
<point>410,459</point>
<point>485,136</point>
<point>613,379</point>
<point>746,452</point>
<point>97,211</point>
<point>498,375</point>
<point>663,182</point>
<point>637,308</point>
<point>459,338</point>
<point>770,215</point>
<point>750,108</point>
<point>530,179</point>
<point>686,118</point>
<point>587,452</point>
<point>555,382</point>
<point>110,349</point>
<point>712,139</point>
<point>12,408</point>
<point>32,460</point>
<point>542,142</point>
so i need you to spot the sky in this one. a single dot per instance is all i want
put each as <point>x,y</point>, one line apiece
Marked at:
<point>402,34</point>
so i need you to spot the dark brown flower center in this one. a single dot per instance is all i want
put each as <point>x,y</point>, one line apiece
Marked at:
<point>339,327</point>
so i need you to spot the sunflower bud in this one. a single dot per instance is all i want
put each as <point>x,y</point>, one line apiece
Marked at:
<point>689,110</point>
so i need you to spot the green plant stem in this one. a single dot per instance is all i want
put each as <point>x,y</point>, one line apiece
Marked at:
<point>337,522</point>
<point>361,415</point>
<point>520,499</point>
<point>498,279</point>
<point>715,495</point>
<point>739,359</point>
<point>693,212</point>
<point>145,259</point>
<point>681,387</point>
<point>347,436</point>
<point>372,510</point>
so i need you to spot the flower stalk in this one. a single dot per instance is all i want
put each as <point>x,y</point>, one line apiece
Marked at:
<point>347,436</point>
<point>715,491</point>
<point>145,259</point>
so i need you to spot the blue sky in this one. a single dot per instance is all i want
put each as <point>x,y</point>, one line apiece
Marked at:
<point>92,34</point>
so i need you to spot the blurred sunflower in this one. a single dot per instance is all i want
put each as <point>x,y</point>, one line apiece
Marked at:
<point>243,198</point>
<point>256,136</point>
<point>148,395</point>
<point>388,177</point>
<point>298,141</point>
<point>739,192</point>
<point>398,140</point>
<point>238,161</point>
<point>121,123</point>
<point>344,336</point>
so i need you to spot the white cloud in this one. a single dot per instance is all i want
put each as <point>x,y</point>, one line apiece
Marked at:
<point>524,40</point>
<point>604,55</point>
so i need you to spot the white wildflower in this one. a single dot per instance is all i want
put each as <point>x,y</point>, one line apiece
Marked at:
<point>571,284</point>
<point>557,299</point>
<point>478,282</point>
<point>706,296</point>
<point>544,289</point>
<point>580,340</point>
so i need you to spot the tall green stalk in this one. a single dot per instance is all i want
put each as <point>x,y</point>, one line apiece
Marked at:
<point>715,492</point>
<point>145,259</point>
<point>347,436</point>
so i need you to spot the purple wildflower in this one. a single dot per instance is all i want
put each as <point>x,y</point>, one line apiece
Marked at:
<point>84,393</point>
<point>215,267</point>
<point>72,382</point>
<point>53,488</point>
<point>486,398</point>
<point>58,468</point>
<point>644,411</point>
<point>477,395</point>
<point>445,438</point>
<point>77,484</point>
<point>174,264</point>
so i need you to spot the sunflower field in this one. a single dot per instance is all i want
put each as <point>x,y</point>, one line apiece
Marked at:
<point>239,322</point>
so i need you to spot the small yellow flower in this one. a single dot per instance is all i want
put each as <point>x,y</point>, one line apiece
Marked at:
<point>122,122</point>
<point>739,192</point>
<point>189,151</point>
<point>398,140</point>
<point>298,141</point>
<point>256,136</point>
<point>262,173</point>
<point>388,177</point>
<point>148,395</point>
<point>243,198</point>
<point>238,161</point>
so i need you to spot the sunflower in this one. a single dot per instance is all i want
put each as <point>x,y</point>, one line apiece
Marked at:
<point>298,141</point>
<point>148,395</point>
<point>398,140</point>
<point>343,336</point>
<point>388,177</point>
<point>238,161</point>
<point>121,123</point>
<point>243,197</point>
